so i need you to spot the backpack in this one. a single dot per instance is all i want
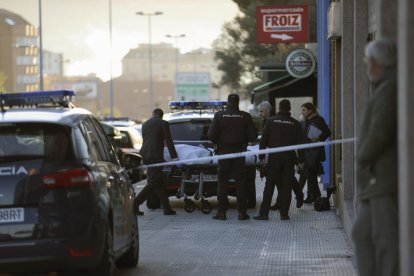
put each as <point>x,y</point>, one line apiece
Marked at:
<point>322,204</point>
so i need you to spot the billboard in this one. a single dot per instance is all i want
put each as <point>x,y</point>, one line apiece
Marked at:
<point>192,86</point>
<point>282,24</point>
<point>85,90</point>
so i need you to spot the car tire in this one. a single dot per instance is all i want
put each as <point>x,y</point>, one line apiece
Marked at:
<point>131,257</point>
<point>153,201</point>
<point>106,266</point>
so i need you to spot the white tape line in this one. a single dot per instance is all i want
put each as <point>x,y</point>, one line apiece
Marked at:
<point>248,153</point>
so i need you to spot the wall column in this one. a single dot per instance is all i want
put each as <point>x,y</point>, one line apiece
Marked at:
<point>406,134</point>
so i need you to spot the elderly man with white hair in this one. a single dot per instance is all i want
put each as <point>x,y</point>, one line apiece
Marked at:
<point>375,231</point>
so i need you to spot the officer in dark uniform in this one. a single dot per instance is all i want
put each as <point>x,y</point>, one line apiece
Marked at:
<point>155,132</point>
<point>280,130</point>
<point>231,131</point>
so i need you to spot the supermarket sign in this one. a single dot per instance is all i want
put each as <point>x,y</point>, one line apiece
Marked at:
<point>282,24</point>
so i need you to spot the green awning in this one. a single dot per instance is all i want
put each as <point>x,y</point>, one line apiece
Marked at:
<point>272,83</point>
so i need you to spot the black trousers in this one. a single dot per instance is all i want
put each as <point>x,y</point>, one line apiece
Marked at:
<point>281,171</point>
<point>155,183</point>
<point>228,168</point>
<point>297,187</point>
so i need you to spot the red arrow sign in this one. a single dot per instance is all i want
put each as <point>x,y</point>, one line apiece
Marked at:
<point>288,24</point>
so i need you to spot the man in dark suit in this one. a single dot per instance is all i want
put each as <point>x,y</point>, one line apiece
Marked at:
<point>155,133</point>
<point>231,130</point>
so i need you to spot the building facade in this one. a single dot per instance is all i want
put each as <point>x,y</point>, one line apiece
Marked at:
<point>350,24</point>
<point>19,52</point>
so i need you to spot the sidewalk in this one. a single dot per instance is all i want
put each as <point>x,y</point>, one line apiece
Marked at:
<point>310,243</point>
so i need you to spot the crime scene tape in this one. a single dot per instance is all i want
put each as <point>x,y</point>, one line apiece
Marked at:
<point>249,153</point>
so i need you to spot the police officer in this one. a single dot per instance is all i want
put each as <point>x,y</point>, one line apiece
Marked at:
<point>280,130</point>
<point>231,131</point>
<point>155,132</point>
<point>265,111</point>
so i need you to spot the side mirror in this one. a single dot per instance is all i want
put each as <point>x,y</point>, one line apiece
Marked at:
<point>131,160</point>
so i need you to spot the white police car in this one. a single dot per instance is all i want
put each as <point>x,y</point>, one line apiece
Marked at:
<point>66,202</point>
<point>189,124</point>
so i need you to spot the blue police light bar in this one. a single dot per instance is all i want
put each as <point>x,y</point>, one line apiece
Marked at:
<point>55,97</point>
<point>116,119</point>
<point>182,105</point>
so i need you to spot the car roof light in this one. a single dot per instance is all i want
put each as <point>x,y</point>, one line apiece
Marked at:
<point>116,119</point>
<point>54,97</point>
<point>187,105</point>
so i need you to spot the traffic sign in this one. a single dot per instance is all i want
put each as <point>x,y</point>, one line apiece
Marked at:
<point>286,24</point>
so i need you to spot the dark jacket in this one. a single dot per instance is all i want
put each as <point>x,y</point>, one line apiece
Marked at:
<point>377,159</point>
<point>232,130</point>
<point>156,133</point>
<point>279,131</point>
<point>316,121</point>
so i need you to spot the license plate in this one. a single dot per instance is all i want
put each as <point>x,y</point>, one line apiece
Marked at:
<point>206,178</point>
<point>11,215</point>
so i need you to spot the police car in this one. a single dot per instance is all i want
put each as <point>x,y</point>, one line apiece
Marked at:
<point>189,124</point>
<point>66,202</point>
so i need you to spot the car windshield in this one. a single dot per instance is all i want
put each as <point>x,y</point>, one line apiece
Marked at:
<point>195,130</point>
<point>46,141</point>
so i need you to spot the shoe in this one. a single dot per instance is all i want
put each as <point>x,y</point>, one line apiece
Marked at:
<point>261,217</point>
<point>284,217</point>
<point>309,200</point>
<point>275,207</point>
<point>299,202</point>
<point>138,212</point>
<point>220,216</point>
<point>243,216</point>
<point>169,212</point>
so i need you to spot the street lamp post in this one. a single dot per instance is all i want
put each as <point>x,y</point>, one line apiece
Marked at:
<point>40,46</point>
<point>149,15</point>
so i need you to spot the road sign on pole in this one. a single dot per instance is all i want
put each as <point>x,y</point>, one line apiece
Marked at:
<point>282,24</point>
<point>193,86</point>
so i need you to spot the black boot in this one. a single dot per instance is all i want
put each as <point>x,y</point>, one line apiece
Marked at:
<point>220,216</point>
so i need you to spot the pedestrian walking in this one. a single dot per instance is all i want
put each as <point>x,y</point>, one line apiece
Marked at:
<point>155,133</point>
<point>375,231</point>
<point>231,131</point>
<point>314,129</point>
<point>280,130</point>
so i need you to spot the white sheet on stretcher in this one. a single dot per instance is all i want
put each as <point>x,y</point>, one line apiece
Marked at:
<point>192,152</point>
<point>189,152</point>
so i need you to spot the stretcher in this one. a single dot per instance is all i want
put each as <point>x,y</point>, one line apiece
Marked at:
<point>199,179</point>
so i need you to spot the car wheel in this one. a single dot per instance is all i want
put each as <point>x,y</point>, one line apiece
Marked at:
<point>153,201</point>
<point>130,258</point>
<point>106,265</point>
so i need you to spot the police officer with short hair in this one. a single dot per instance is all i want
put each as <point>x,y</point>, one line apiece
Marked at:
<point>280,130</point>
<point>231,130</point>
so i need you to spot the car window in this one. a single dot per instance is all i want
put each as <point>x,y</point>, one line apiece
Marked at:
<point>190,130</point>
<point>48,141</point>
<point>95,149</point>
<point>105,141</point>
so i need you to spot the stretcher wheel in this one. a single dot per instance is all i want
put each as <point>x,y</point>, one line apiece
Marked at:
<point>189,205</point>
<point>205,207</point>
<point>196,196</point>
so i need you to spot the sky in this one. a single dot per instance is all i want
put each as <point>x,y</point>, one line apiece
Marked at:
<point>80,28</point>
